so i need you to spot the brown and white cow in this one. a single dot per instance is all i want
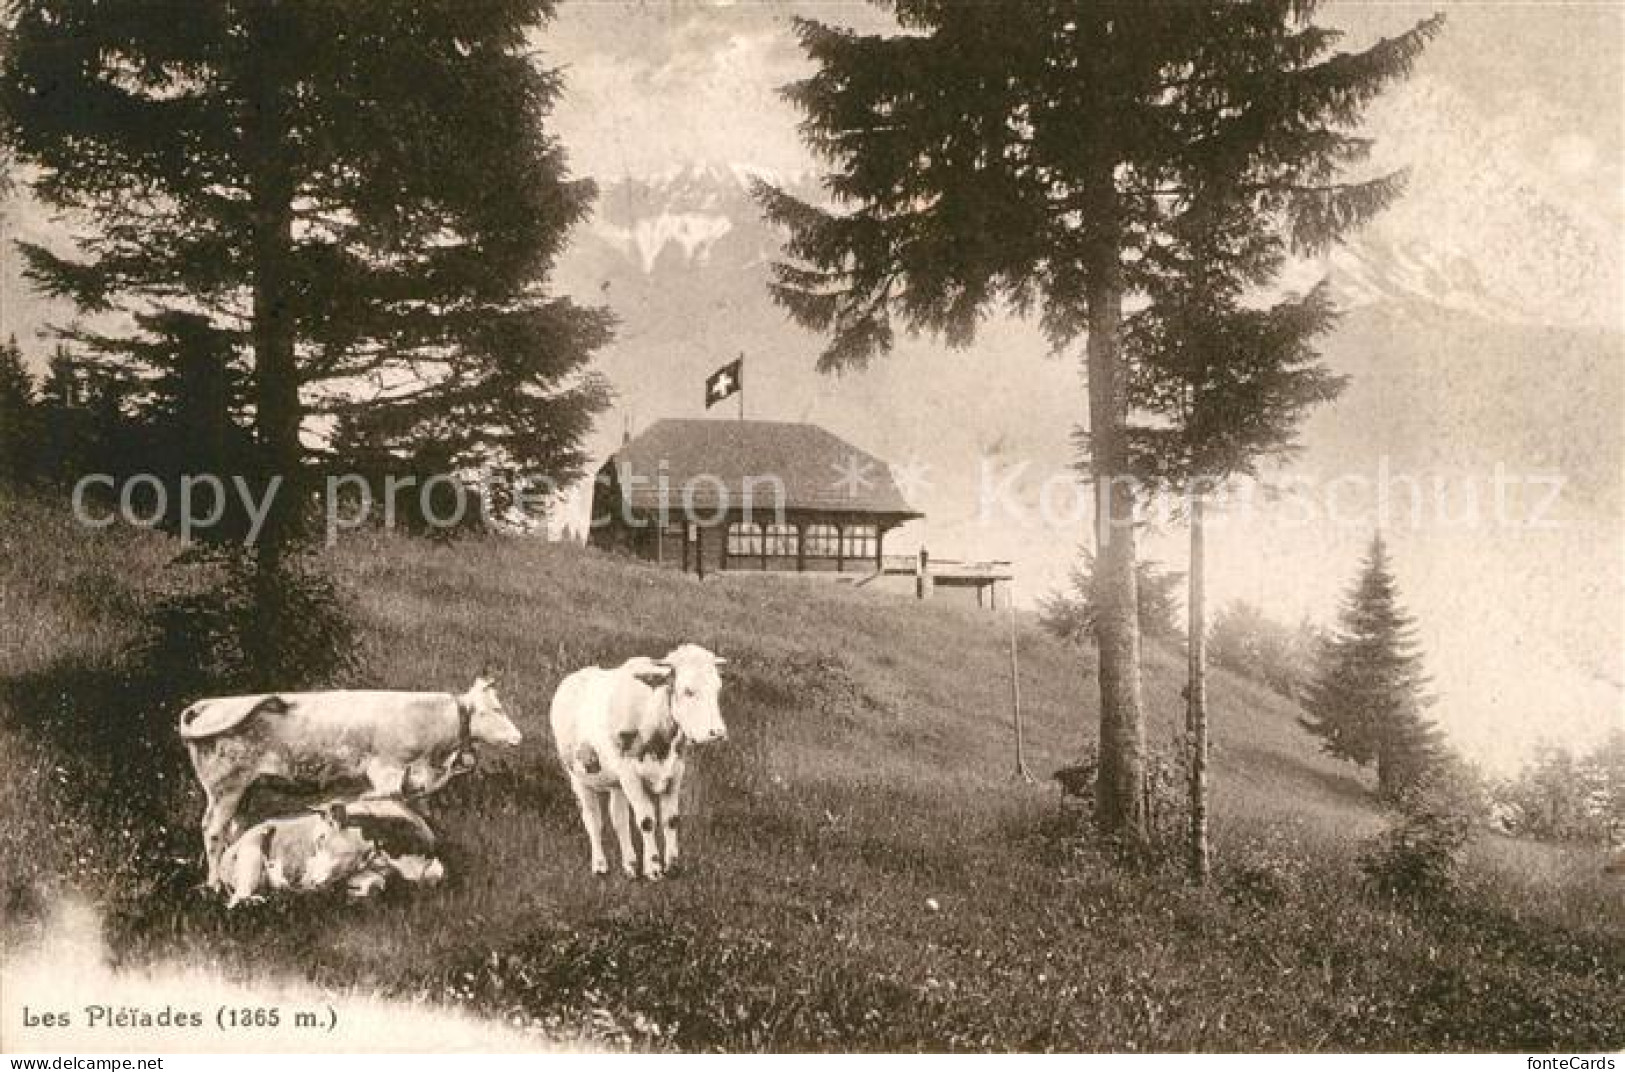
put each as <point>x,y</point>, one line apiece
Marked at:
<point>622,733</point>
<point>363,845</point>
<point>407,847</point>
<point>302,853</point>
<point>396,743</point>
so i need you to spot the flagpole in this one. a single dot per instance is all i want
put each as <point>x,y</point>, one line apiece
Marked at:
<point>741,385</point>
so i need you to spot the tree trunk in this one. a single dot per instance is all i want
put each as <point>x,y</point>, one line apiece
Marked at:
<point>276,374</point>
<point>1196,704</point>
<point>1119,797</point>
<point>277,414</point>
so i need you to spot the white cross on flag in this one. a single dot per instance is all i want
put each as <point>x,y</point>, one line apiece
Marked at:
<point>725,381</point>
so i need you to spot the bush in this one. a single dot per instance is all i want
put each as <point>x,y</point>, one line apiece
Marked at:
<point>1263,874</point>
<point>227,626</point>
<point>1559,796</point>
<point>1167,806</point>
<point>1418,858</point>
<point>1245,641</point>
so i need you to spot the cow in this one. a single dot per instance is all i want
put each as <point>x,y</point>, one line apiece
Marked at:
<point>362,844</point>
<point>396,743</point>
<point>407,846</point>
<point>302,853</point>
<point>622,733</point>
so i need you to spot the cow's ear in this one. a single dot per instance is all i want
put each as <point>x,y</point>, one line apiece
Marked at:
<point>717,660</point>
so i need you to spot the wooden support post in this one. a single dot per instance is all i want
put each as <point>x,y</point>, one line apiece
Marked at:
<point>1015,701</point>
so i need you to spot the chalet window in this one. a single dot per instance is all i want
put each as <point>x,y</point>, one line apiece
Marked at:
<point>859,542</point>
<point>744,538</point>
<point>821,541</point>
<point>781,541</point>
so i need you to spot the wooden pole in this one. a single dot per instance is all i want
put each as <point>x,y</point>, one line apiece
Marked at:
<point>1015,690</point>
<point>741,391</point>
<point>1196,702</point>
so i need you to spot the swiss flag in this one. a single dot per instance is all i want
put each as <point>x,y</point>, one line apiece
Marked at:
<point>725,381</point>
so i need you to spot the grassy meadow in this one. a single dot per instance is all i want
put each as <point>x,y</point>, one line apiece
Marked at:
<point>862,871</point>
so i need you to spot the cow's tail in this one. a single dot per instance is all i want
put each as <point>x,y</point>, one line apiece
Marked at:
<point>188,719</point>
<point>210,718</point>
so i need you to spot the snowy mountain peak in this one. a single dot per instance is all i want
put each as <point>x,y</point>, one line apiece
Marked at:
<point>685,210</point>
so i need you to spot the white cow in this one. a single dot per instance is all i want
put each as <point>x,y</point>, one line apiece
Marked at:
<point>398,742</point>
<point>622,733</point>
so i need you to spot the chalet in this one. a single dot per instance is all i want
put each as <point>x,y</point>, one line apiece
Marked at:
<point>771,496</point>
<point>709,495</point>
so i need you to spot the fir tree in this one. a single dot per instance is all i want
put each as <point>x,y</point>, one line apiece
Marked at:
<point>1368,699</point>
<point>186,421</point>
<point>70,444</point>
<point>18,416</point>
<point>1034,157</point>
<point>359,198</point>
<point>1070,613</point>
<point>1219,386</point>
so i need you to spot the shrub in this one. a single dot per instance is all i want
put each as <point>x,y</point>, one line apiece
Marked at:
<point>1418,857</point>
<point>1263,873</point>
<point>1559,796</point>
<point>227,626</point>
<point>1167,807</point>
<point>1245,641</point>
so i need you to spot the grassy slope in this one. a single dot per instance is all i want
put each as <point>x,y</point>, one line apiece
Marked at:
<point>867,777</point>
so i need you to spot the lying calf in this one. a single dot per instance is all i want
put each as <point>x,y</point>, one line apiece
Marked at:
<point>360,845</point>
<point>405,843</point>
<point>303,853</point>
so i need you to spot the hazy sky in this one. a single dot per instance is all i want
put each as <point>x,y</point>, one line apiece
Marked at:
<point>653,83</point>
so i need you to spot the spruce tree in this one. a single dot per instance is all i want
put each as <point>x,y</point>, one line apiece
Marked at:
<point>1217,386</point>
<point>69,443</point>
<point>1369,696</point>
<point>18,417</point>
<point>358,196</point>
<point>1070,614</point>
<point>1033,157</point>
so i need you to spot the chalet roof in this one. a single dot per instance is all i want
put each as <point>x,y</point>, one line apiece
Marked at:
<point>712,461</point>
